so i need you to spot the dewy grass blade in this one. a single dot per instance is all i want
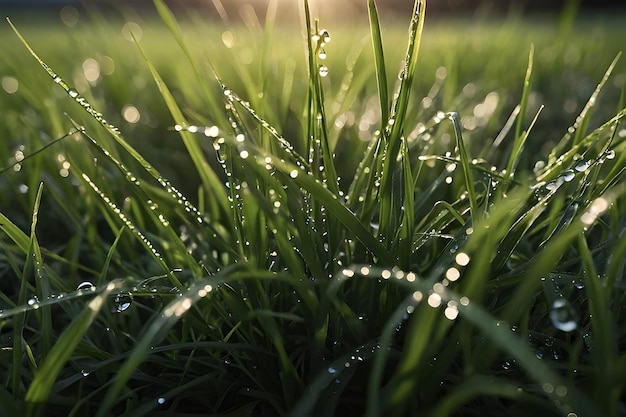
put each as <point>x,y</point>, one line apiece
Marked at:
<point>565,396</point>
<point>576,132</point>
<point>209,178</point>
<point>115,132</point>
<point>465,164</point>
<point>604,349</point>
<point>41,386</point>
<point>337,209</point>
<point>158,329</point>
<point>156,255</point>
<point>173,237</point>
<point>41,283</point>
<point>390,202</point>
<point>405,244</point>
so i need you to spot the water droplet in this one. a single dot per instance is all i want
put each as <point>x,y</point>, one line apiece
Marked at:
<point>568,175</point>
<point>324,35</point>
<point>161,400</point>
<point>122,302</point>
<point>332,370</point>
<point>539,353</point>
<point>581,166</point>
<point>73,93</point>
<point>588,339</point>
<point>323,71</point>
<point>563,316</point>
<point>85,286</point>
<point>57,79</point>
<point>609,154</point>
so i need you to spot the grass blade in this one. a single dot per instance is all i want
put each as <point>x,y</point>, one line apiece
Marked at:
<point>379,60</point>
<point>41,386</point>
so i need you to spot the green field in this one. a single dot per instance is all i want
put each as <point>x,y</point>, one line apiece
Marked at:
<point>250,221</point>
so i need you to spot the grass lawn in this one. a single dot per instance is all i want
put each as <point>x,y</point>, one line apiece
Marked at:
<point>308,218</point>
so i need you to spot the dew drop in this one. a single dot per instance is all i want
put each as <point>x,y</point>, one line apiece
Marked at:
<point>323,71</point>
<point>122,302</point>
<point>563,316</point>
<point>332,370</point>
<point>73,93</point>
<point>539,353</point>
<point>85,286</point>
<point>324,35</point>
<point>610,154</point>
<point>161,400</point>
<point>568,175</point>
<point>581,166</point>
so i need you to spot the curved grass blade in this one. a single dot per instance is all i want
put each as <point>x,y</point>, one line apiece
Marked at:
<point>135,231</point>
<point>39,390</point>
<point>480,385</point>
<point>38,151</point>
<point>209,178</point>
<point>170,21</point>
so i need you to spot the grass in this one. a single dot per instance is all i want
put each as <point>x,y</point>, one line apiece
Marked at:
<point>291,228</point>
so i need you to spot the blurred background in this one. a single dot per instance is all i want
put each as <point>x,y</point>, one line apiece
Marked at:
<point>333,7</point>
<point>473,59</point>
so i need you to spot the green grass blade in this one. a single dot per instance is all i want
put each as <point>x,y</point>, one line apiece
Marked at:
<point>41,386</point>
<point>143,240</point>
<point>157,330</point>
<point>390,201</point>
<point>209,178</point>
<point>576,131</point>
<point>604,349</point>
<point>170,21</point>
<point>465,164</point>
<point>379,60</point>
<point>14,233</point>
<point>518,142</point>
<point>564,395</point>
<point>481,386</point>
<point>41,282</point>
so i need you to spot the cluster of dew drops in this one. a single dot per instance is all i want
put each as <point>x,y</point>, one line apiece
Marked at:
<point>121,301</point>
<point>320,40</point>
